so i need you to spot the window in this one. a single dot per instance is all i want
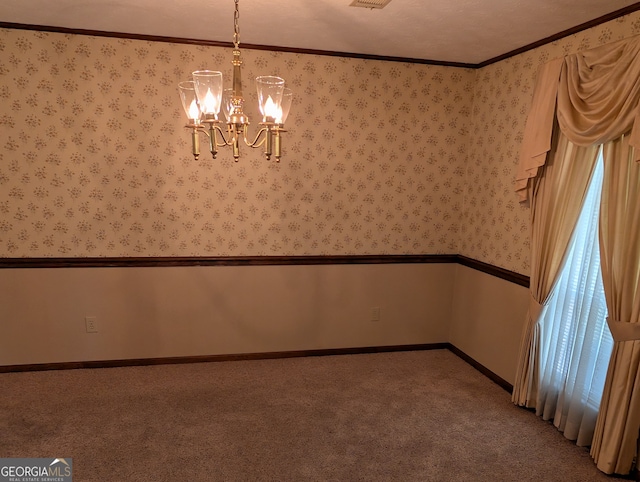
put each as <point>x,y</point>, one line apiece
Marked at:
<point>576,344</point>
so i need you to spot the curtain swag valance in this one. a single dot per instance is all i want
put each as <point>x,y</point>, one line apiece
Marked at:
<point>595,96</point>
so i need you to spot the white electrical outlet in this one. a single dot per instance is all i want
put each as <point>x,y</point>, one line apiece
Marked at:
<point>375,313</point>
<point>91,324</point>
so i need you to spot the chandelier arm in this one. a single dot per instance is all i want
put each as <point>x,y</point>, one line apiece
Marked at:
<point>257,142</point>
<point>271,137</point>
<point>207,131</point>
<point>214,131</point>
<point>224,142</point>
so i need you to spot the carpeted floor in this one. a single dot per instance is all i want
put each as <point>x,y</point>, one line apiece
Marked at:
<point>405,416</point>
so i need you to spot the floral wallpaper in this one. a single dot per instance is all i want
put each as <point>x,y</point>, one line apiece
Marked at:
<point>379,157</point>
<point>95,159</point>
<point>495,228</point>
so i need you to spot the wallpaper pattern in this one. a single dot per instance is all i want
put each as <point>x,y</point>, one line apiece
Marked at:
<point>379,157</point>
<point>95,159</point>
<point>495,228</point>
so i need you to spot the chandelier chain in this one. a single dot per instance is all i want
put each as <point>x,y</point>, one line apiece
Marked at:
<point>236,26</point>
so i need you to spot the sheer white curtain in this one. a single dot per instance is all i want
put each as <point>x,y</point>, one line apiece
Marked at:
<point>576,343</point>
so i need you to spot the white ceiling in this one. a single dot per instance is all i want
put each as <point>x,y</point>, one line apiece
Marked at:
<point>466,31</point>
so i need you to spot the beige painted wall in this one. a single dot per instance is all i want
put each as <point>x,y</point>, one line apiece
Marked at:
<point>189,311</point>
<point>487,319</point>
<point>186,311</point>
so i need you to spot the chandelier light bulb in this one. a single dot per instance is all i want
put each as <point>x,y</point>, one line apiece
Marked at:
<point>194,110</point>
<point>211,106</point>
<point>271,111</point>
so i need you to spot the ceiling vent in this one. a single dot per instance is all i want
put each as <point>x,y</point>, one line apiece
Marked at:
<point>369,3</point>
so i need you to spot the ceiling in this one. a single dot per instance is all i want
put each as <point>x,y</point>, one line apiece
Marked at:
<point>459,31</point>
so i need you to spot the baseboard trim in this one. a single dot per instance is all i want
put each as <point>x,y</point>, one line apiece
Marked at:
<point>219,358</point>
<point>258,356</point>
<point>481,368</point>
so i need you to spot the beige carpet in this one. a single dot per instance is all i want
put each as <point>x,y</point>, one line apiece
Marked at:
<point>407,416</point>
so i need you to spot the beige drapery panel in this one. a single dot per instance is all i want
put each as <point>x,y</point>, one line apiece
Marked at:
<point>618,425</point>
<point>595,97</point>
<point>557,194</point>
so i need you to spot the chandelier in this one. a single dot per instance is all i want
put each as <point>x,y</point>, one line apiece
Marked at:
<point>204,97</point>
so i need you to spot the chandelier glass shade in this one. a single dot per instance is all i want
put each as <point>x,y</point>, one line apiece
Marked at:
<point>204,97</point>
